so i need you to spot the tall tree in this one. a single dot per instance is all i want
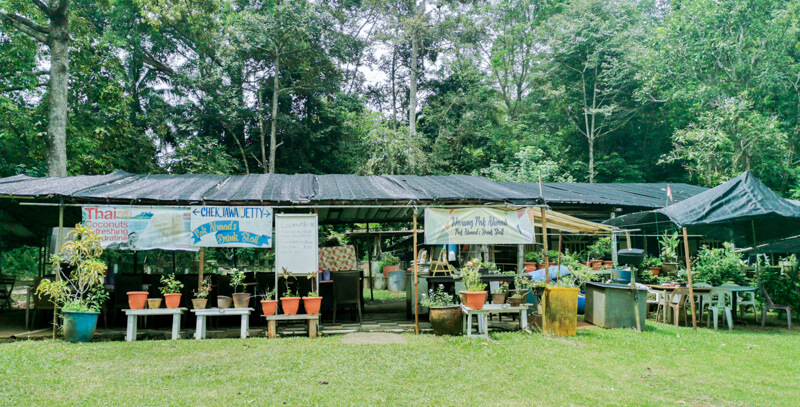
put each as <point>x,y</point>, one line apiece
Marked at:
<point>55,34</point>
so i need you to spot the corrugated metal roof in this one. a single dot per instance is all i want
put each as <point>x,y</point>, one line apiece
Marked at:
<point>643,195</point>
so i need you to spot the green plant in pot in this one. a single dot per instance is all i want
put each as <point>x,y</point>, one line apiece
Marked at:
<point>241,299</point>
<point>388,263</point>
<point>669,251</point>
<point>653,264</point>
<point>290,301</point>
<point>171,288</point>
<point>312,301</point>
<point>522,286</point>
<point>444,313</point>
<point>80,293</point>
<point>532,260</point>
<point>475,290</point>
<point>499,294</point>
<point>269,303</point>
<point>200,299</point>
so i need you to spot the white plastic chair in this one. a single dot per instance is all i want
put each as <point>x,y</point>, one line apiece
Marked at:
<point>703,300</point>
<point>720,300</point>
<point>744,298</point>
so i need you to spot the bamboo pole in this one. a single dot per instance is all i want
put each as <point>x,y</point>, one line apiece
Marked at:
<point>201,268</point>
<point>560,240</point>
<point>689,275</point>
<point>546,248</point>
<point>416,277</point>
<point>58,250</point>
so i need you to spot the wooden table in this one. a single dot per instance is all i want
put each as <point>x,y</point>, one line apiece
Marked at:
<point>133,315</point>
<point>483,317</point>
<point>201,327</point>
<point>311,320</point>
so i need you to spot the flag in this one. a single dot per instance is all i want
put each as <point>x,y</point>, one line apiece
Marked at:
<point>669,193</point>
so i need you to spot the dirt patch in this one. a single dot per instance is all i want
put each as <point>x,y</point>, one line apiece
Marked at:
<point>373,338</point>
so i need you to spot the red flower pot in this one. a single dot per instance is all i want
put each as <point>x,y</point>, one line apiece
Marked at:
<point>290,305</point>
<point>172,300</point>
<point>312,304</point>
<point>475,299</point>
<point>268,307</point>
<point>137,299</point>
<point>530,266</point>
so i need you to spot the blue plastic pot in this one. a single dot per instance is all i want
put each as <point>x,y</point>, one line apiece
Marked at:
<point>581,303</point>
<point>79,326</point>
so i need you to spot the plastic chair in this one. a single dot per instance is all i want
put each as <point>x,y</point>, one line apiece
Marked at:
<point>768,305</point>
<point>720,300</point>
<point>677,301</point>
<point>346,290</point>
<point>703,300</point>
<point>655,297</point>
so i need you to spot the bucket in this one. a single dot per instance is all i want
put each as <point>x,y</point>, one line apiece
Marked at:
<point>378,282</point>
<point>397,281</point>
<point>79,326</point>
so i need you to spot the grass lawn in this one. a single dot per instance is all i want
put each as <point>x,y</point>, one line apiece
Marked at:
<point>384,295</point>
<point>664,365</point>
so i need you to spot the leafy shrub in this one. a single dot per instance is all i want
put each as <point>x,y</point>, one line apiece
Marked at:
<point>717,266</point>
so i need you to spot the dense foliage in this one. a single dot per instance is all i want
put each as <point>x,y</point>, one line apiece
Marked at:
<point>583,90</point>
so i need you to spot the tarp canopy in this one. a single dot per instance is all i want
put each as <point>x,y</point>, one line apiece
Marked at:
<point>742,210</point>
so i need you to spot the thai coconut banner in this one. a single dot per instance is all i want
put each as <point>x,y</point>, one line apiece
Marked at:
<point>231,226</point>
<point>140,228</point>
<point>477,226</point>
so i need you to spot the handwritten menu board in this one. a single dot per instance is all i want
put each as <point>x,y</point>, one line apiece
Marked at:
<point>296,247</point>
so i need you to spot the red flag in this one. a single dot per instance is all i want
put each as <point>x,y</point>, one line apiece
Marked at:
<point>669,193</point>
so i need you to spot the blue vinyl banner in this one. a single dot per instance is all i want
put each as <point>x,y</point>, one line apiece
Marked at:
<point>231,226</point>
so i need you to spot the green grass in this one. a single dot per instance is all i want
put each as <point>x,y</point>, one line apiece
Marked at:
<point>664,365</point>
<point>384,295</point>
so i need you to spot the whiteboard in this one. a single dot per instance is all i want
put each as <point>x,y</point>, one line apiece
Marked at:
<point>296,246</point>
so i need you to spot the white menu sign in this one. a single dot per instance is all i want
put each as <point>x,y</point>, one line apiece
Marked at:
<point>296,243</point>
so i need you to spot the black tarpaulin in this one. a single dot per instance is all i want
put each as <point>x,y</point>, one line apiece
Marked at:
<point>742,210</point>
<point>642,195</point>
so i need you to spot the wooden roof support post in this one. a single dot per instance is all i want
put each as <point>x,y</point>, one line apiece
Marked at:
<point>202,265</point>
<point>58,251</point>
<point>370,248</point>
<point>416,277</point>
<point>689,275</point>
<point>546,248</point>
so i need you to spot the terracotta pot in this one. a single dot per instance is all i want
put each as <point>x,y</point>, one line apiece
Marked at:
<point>608,263</point>
<point>655,271</point>
<point>223,301</point>
<point>446,320</point>
<point>199,303</point>
<point>290,305</point>
<point>154,303</point>
<point>387,269</point>
<point>312,304</point>
<point>241,300</point>
<point>268,307</point>
<point>475,299</point>
<point>516,302</point>
<point>498,298</point>
<point>597,265</point>
<point>137,299</point>
<point>530,266</point>
<point>172,300</point>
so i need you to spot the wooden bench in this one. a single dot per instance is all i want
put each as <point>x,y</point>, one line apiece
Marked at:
<point>311,320</point>
<point>201,327</point>
<point>483,317</point>
<point>133,322</point>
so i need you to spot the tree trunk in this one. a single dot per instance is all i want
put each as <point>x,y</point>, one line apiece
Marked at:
<point>394,89</point>
<point>412,92</point>
<point>56,140</point>
<point>261,133</point>
<point>274,126</point>
<point>591,160</point>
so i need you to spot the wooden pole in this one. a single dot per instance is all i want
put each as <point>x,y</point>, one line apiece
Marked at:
<point>689,275</point>
<point>371,278</point>
<point>560,240</point>
<point>546,248</point>
<point>58,251</point>
<point>416,277</point>
<point>202,265</point>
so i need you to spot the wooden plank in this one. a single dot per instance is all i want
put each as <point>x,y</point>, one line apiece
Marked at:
<point>157,311</point>
<point>223,311</point>
<point>284,317</point>
<point>271,331</point>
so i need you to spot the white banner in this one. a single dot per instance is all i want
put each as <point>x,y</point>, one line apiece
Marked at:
<point>477,226</point>
<point>296,246</point>
<point>140,228</point>
<point>231,226</point>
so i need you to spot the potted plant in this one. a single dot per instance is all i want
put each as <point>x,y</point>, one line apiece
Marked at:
<point>669,251</point>
<point>269,304</point>
<point>389,263</point>
<point>444,314</point>
<point>653,264</point>
<point>241,299</point>
<point>521,289</point>
<point>171,288</point>
<point>532,260</point>
<point>290,301</point>
<point>582,274</point>
<point>312,301</point>
<point>200,299</point>
<point>475,293</point>
<point>80,293</point>
<point>598,251</point>
<point>499,294</point>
